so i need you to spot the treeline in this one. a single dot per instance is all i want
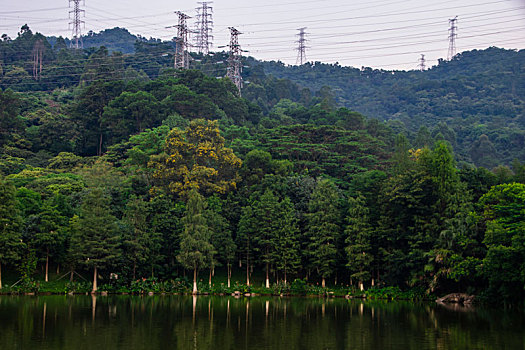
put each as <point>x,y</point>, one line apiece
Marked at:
<point>127,177</point>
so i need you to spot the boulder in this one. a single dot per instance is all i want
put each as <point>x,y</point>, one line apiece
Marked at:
<point>457,298</point>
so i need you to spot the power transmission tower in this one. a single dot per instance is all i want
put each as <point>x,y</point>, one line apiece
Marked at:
<point>182,57</point>
<point>422,61</point>
<point>234,60</point>
<point>204,27</point>
<point>76,24</point>
<point>452,37</point>
<point>301,49</point>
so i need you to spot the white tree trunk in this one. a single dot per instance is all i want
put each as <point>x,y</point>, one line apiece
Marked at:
<point>94,280</point>
<point>229,274</point>
<point>267,278</point>
<point>195,281</point>
<point>247,273</point>
<point>47,265</point>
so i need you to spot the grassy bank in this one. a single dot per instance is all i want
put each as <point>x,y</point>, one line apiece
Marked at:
<point>182,285</point>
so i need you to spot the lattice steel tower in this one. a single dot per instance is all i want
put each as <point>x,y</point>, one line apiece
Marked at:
<point>182,57</point>
<point>422,63</point>
<point>234,60</point>
<point>203,27</point>
<point>452,35</point>
<point>301,48</point>
<point>76,24</point>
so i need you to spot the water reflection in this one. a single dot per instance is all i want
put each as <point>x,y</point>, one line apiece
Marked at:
<point>202,322</point>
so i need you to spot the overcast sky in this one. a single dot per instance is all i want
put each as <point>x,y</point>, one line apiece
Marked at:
<point>389,34</point>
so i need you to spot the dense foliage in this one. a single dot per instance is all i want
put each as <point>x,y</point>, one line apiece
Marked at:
<point>145,175</point>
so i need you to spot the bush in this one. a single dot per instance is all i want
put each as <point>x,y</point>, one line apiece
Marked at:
<point>298,287</point>
<point>78,287</point>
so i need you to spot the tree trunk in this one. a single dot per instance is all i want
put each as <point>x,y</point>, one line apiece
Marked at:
<point>267,277</point>
<point>195,280</point>
<point>247,273</point>
<point>47,265</point>
<point>229,274</point>
<point>284,276</point>
<point>99,150</point>
<point>71,275</point>
<point>209,280</point>
<point>323,283</point>
<point>94,280</point>
<point>361,287</point>
<point>58,269</point>
<point>0,275</point>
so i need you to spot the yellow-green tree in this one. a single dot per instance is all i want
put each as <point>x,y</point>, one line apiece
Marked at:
<point>196,158</point>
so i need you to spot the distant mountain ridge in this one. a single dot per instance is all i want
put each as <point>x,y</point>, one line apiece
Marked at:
<point>114,39</point>
<point>479,93</point>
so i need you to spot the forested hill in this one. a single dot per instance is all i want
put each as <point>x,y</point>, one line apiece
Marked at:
<point>477,93</point>
<point>475,102</point>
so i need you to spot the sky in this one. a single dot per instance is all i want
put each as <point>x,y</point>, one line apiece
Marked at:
<point>382,34</point>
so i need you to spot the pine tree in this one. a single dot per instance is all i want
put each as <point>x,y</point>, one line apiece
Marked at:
<point>245,238</point>
<point>47,236</point>
<point>323,228</point>
<point>357,235</point>
<point>221,236</point>
<point>286,254</point>
<point>266,213</point>
<point>94,240</point>
<point>196,250</point>
<point>10,238</point>
<point>135,238</point>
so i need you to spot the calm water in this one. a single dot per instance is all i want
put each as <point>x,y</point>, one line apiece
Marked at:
<point>184,322</point>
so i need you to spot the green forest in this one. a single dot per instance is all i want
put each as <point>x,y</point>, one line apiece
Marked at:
<point>116,166</point>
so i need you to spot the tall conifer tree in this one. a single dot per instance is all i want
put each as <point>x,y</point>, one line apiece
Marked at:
<point>357,235</point>
<point>196,250</point>
<point>94,240</point>
<point>323,228</point>
<point>10,239</point>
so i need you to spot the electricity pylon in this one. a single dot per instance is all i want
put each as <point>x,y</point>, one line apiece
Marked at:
<point>422,63</point>
<point>234,60</point>
<point>301,49</point>
<point>182,57</point>
<point>203,28</point>
<point>76,24</point>
<point>452,38</point>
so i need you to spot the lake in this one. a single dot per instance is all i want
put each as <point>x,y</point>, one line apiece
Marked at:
<point>209,322</point>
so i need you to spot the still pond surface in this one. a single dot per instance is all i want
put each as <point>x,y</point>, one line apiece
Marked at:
<point>186,322</point>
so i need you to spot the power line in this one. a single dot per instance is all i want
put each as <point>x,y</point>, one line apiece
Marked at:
<point>123,70</point>
<point>32,10</point>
